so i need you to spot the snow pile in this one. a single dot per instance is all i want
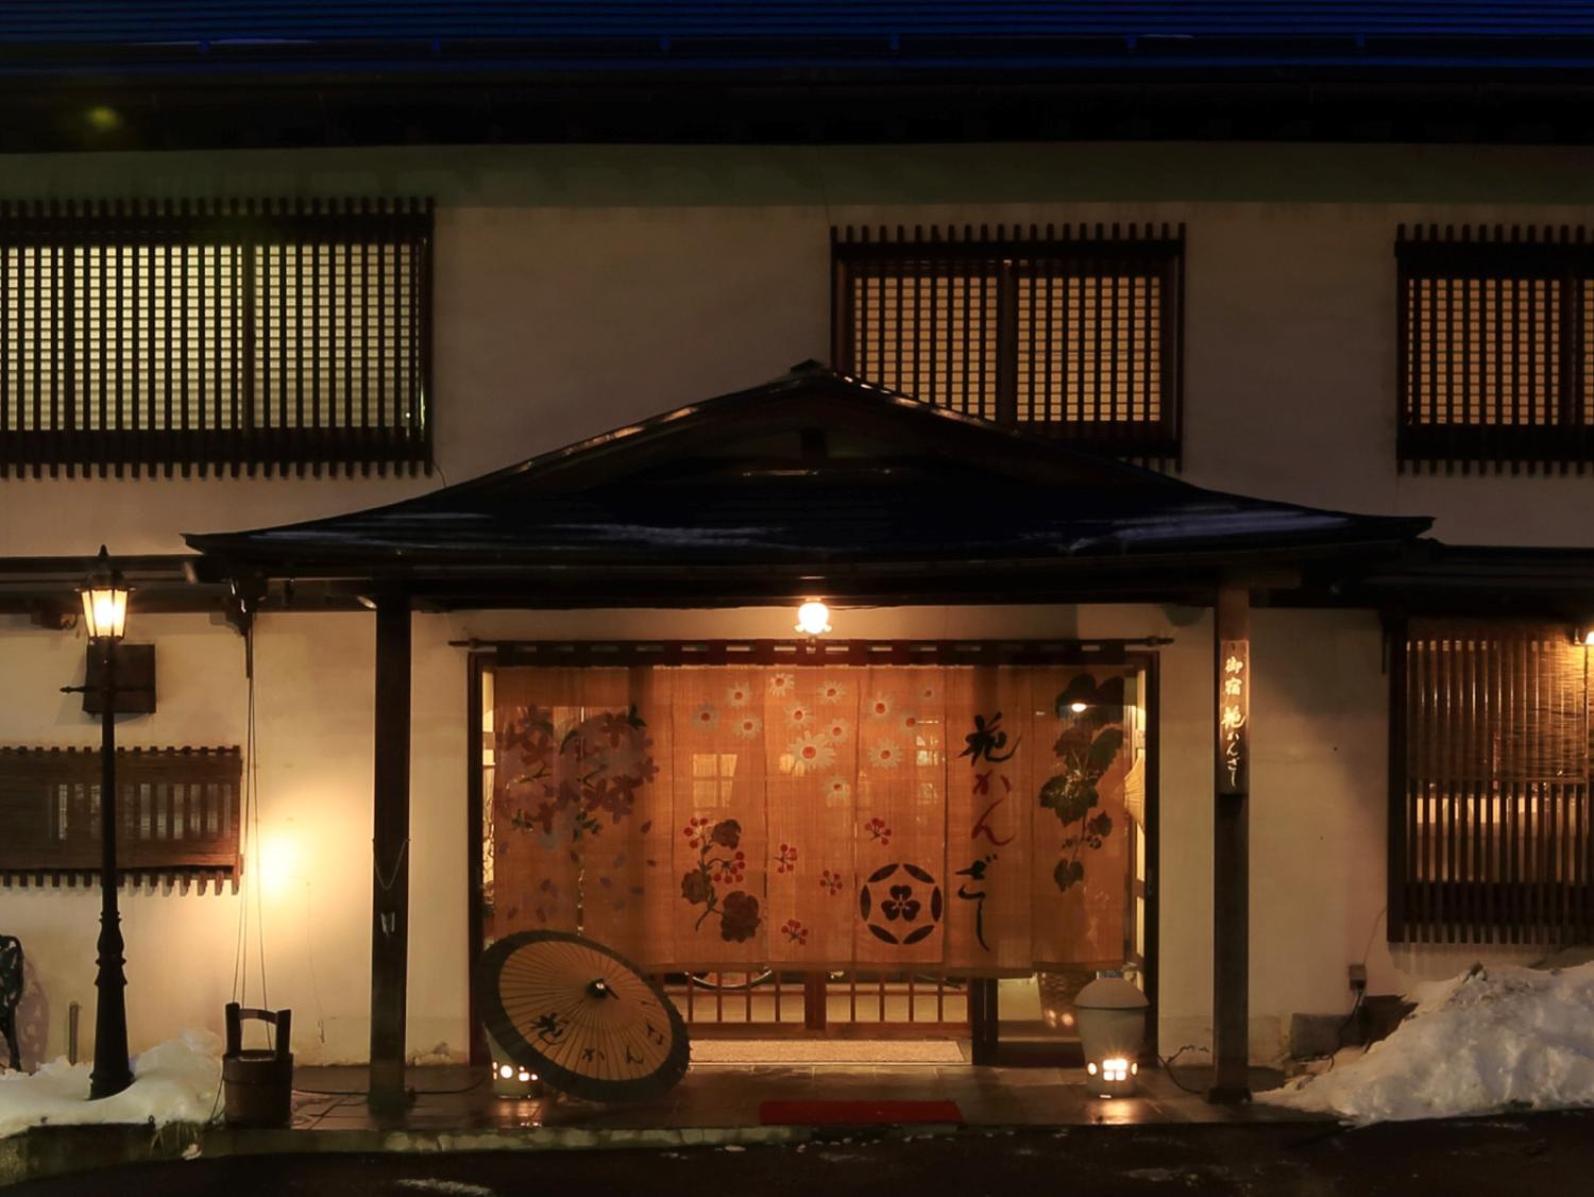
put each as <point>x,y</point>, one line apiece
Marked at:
<point>174,1082</point>
<point>1487,1040</point>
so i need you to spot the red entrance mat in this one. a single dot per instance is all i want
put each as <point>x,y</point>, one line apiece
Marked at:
<point>856,1113</point>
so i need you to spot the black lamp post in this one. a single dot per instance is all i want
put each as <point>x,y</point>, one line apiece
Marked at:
<point>105,618</point>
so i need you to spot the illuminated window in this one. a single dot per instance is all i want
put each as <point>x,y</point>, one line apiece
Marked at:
<point>220,337</point>
<point>1490,820</point>
<point>1496,354</point>
<point>1076,336</point>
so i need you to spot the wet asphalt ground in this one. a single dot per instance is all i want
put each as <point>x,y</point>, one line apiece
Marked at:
<point>1524,1156</point>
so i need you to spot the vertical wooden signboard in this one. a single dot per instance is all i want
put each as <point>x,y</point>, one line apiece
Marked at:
<point>1231,906</point>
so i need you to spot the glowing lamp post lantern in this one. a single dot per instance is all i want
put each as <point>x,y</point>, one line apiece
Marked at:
<point>105,620</point>
<point>1111,1014</point>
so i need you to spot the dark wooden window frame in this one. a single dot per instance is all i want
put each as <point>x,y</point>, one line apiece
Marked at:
<point>225,438</point>
<point>1493,253</point>
<point>1013,253</point>
<point>49,815</point>
<point>1504,909</point>
<point>984,1014</point>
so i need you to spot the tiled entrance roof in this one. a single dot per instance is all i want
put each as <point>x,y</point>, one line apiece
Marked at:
<point>816,481</point>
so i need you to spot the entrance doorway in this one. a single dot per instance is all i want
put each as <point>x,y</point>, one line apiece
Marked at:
<point>999,967</point>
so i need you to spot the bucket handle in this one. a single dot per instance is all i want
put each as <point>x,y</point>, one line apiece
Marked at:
<point>281,1021</point>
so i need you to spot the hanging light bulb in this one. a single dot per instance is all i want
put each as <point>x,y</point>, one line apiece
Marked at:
<point>813,618</point>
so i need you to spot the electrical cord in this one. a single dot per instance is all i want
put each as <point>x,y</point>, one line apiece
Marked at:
<point>1339,1035</point>
<point>1167,1065</point>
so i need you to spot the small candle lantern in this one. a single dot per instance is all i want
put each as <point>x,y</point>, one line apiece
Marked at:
<point>510,1079</point>
<point>1111,1015</point>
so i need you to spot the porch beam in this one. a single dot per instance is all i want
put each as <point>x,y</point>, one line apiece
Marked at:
<point>1231,857</point>
<point>390,862</point>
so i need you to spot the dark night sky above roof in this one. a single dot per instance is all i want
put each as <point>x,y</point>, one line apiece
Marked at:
<point>732,483</point>
<point>111,21</point>
<point>238,74</point>
<point>863,31</point>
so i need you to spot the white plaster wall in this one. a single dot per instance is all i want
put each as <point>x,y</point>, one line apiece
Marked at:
<point>313,757</point>
<point>1320,754</point>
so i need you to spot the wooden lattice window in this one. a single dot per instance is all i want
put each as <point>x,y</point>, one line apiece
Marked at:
<point>215,336</point>
<point>178,815</point>
<point>1496,356</point>
<point>1489,833</point>
<point>1074,334</point>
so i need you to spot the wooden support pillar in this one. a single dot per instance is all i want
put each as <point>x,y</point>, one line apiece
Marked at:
<point>1231,855</point>
<point>816,1000</point>
<point>390,842</point>
<point>983,1016</point>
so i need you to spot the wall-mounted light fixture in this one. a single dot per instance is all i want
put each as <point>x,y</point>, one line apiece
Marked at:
<point>813,618</point>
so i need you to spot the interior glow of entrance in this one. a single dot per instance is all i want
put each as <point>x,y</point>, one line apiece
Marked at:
<point>945,820</point>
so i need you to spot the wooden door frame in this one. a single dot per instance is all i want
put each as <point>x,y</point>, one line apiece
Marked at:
<point>984,1016</point>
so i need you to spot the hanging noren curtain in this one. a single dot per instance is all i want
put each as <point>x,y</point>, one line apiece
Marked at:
<point>965,819</point>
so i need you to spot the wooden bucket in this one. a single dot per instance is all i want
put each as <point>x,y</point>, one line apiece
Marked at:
<point>258,1084</point>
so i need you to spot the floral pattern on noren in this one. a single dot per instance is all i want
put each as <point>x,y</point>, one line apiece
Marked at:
<point>747,726</point>
<point>786,859</point>
<point>879,706</point>
<point>836,729</point>
<point>605,886</point>
<point>547,900</point>
<point>831,690</point>
<point>720,861</point>
<point>1089,743</point>
<point>738,694</point>
<point>560,781</point>
<point>885,755</point>
<point>831,882</point>
<point>795,932</point>
<point>697,830</point>
<point>705,717</point>
<point>809,755</point>
<point>801,716</point>
<point>878,830</point>
<point>838,788</point>
<point>782,685</point>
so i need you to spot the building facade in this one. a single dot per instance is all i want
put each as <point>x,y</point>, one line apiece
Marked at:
<point>573,289</point>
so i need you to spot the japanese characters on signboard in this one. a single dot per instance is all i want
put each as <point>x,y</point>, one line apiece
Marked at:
<point>1234,716</point>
